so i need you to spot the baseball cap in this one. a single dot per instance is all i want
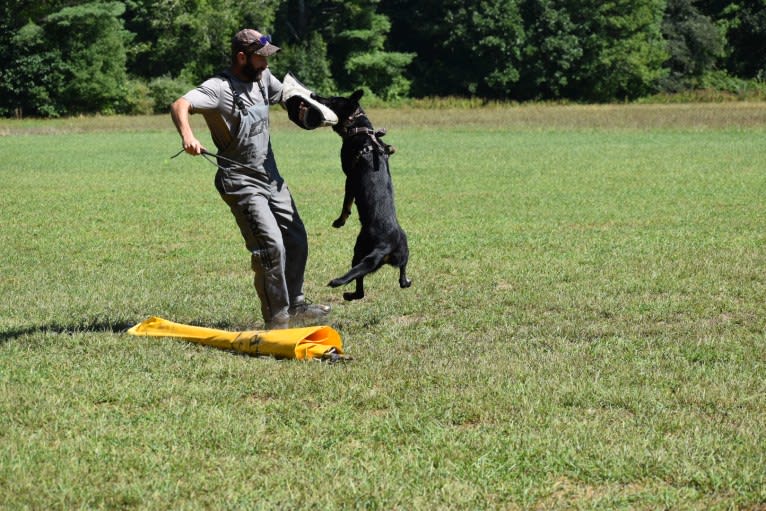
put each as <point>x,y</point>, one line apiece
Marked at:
<point>249,40</point>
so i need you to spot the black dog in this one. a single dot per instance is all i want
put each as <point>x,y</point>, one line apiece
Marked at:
<point>364,158</point>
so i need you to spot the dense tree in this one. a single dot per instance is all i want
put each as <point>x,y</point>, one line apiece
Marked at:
<point>694,44</point>
<point>72,61</point>
<point>419,28</point>
<point>486,38</point>
<point>622,48</point>
<point>31,74</point>
<point>307,60</point>
<point>743,23</point>
<point>189,39</point>
<point>355,34</point>
<point>92,43</point>
<point>552,49</point>
<point>463,48</point>
<point>576,49</point>
<point>66,56</point>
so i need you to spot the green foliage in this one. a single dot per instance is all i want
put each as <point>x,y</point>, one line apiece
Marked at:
<point>572,49</point>
<point>369,66</point>
<point>552,50</point>
<point>63,57</point>
<point>744,25</point>
<point>738,87</point>
<point>32,76</point>
<point>92,43</point>
<point>190,39</point>
<point>137,99</point>
<point>308,61</point>
<point>623,49</point>
<point>484,41</point>
<point>694,44</point>
<point>355,36</point>
<point>73,61</point>
<point>381,72</point>
<point>164,90</point>
<point>462,49</point>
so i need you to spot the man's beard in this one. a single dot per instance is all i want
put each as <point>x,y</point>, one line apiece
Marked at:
<point>251,72</point>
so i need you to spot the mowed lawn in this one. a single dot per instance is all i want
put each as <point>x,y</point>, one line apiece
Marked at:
<point>586,326</point>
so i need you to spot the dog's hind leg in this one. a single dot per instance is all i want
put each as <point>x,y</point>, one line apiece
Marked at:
<point>404,282</point>
<point>358,293</point>
<point>368,264</point>
<point>399,259</point>
<point>359,255</point>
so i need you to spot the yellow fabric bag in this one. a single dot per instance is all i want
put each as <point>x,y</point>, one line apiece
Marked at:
<point>322,342</point>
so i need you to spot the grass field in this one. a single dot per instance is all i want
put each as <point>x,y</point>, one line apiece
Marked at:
<point>586,327</point>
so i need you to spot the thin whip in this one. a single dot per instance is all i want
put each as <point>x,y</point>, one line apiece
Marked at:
<point>207,154</point>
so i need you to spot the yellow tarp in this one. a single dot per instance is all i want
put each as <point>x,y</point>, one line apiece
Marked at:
<point>301,343</point>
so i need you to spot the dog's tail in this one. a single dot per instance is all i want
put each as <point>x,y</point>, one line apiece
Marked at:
<point>368,264</point>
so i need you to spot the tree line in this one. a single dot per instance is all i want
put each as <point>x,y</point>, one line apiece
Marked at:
<point>136,56</point>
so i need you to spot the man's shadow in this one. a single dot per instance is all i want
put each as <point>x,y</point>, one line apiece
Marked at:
<point>94,326</point>
<point>11,334</point>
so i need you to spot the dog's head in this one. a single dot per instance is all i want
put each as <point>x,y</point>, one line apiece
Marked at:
<point>346,108</point>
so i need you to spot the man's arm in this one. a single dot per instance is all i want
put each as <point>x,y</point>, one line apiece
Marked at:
<point>180,111</point>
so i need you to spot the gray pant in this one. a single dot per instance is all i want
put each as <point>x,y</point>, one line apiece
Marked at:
<point>274,234</point>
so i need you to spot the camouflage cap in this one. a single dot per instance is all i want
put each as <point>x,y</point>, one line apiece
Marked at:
<point>252,41</point>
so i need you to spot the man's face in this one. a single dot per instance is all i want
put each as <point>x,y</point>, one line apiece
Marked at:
<point>254,66</point>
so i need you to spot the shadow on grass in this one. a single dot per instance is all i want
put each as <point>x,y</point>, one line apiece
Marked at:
<point>101,326</point>
<point>70,329</point>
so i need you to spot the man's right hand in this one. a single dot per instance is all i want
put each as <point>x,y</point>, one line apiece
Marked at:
<point>180,111</point>
<point>193,146</point>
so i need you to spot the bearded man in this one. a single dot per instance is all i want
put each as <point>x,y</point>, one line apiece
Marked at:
<point>235,105</point>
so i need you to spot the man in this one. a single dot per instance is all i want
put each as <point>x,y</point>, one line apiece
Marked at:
<point>235,105</point>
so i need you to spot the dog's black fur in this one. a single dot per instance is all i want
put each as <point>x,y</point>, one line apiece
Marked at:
<point>364,158</point>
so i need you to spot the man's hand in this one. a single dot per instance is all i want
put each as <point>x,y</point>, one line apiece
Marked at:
<point>180,111</point>
<point>302,109</point>
<point>193,146</point>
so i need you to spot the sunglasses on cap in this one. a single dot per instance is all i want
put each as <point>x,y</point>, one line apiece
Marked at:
<point>260,43</point>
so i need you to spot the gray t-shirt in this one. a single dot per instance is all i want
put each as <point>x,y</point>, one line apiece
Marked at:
<point>215,100</point>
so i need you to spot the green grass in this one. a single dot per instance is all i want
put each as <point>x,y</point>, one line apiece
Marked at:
<point>586,327</point>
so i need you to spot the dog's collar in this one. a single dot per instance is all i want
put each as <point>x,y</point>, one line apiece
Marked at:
<point>351,118</point>
<point>374,134</point>
<point>350,132</point>
<point>367,131</point>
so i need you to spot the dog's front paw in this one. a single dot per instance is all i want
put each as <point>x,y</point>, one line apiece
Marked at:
<point>335,283</point>
<point>339,222</point>
<point>405,283</point>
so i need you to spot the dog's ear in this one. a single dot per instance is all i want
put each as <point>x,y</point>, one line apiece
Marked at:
<point>356,96</point>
